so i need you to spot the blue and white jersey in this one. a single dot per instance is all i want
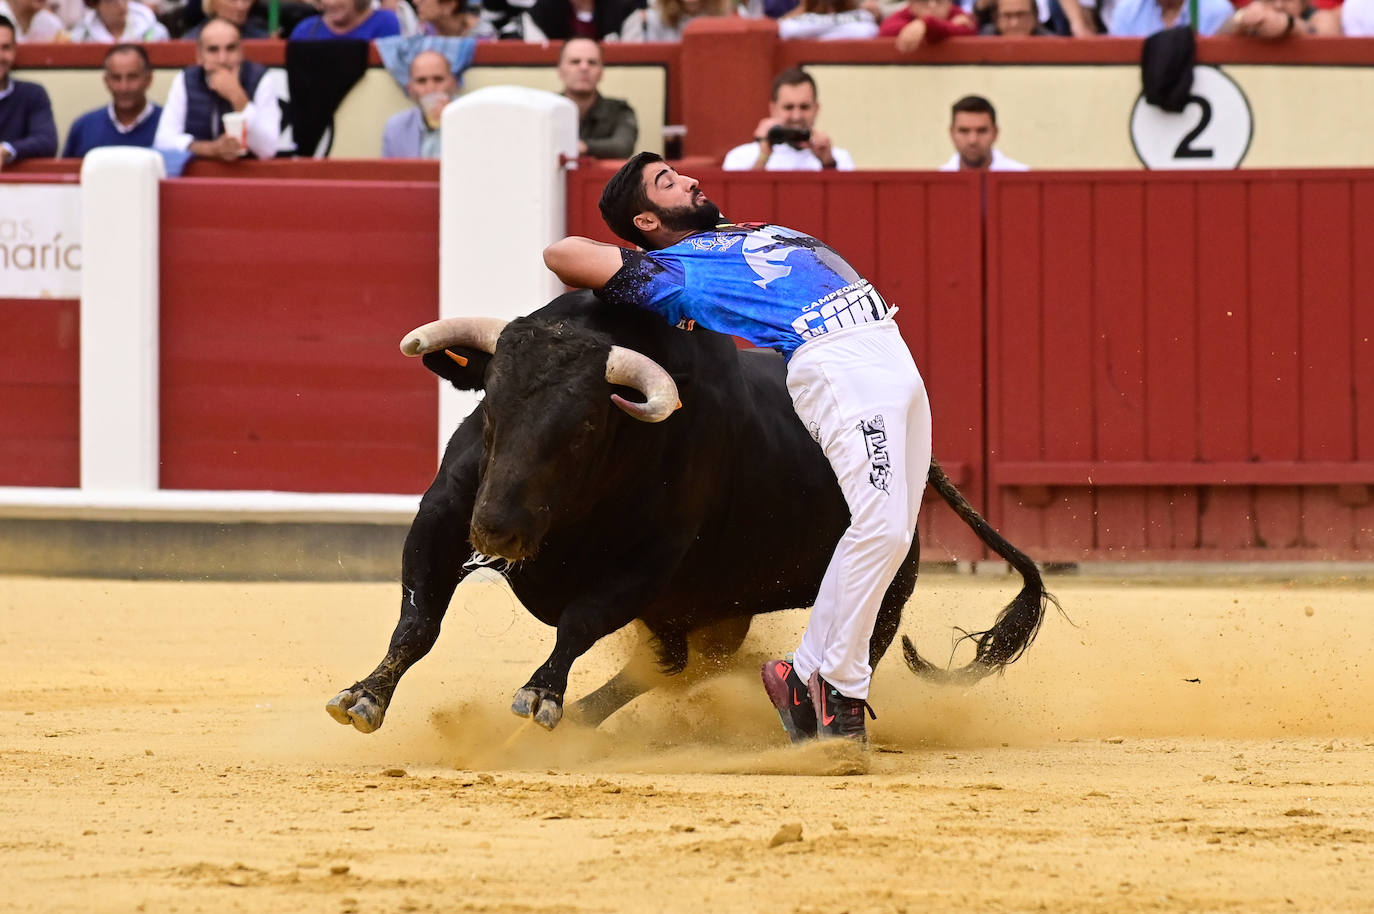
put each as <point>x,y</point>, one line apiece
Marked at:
<point>772,286</point>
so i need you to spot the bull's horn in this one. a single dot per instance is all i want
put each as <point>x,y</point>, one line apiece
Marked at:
<point>473,332</point>
<point>633,369</point>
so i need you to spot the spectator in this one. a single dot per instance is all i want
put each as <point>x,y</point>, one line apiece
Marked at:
<point>606,128</point>
<point>450,18</point>
<point>33,21</point>
<point>415,132</point>
<point>664,20</point>
<point>1354,18</point>
<point>239,12</point>
<point>829,19</point>
<point>130,119</point>
<point>927,21</point>
<point>557,20</point>
<point>787,139</point>
<point>354,19</point>
<point>1014,19</point>
<point>219,83</point>
<point>973,129</point>
<point>1142,18</point>
<point>116,21</point>
<point>27,130</point>
<point>1268,19</point>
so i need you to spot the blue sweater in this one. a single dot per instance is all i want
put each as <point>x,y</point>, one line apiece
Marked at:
<point>379,24</point>
<point>94,128</point>
<point>26,122</point>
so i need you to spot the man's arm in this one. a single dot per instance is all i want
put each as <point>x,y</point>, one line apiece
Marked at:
<point>171,126</point>
<point>41,141</point>
<point>582,262</point>
<point>263,115</point>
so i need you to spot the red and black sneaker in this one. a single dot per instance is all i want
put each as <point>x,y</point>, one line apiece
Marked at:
<point>838,715</point>
<point>792,699</point>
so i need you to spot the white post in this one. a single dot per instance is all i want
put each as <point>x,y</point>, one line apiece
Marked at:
<point>502,200</point>
<point>119,319</point>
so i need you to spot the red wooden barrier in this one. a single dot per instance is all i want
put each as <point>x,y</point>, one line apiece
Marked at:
<point>917,236</point>
<point>282,306</point>
<point>40,398</point>
<point>1181,365</point>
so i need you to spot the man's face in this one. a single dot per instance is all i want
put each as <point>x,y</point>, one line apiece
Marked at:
<point>937,8</point>
<point>677,200</point>
<point>973,133</point>
<point>579,66</point>
<point>1015,18</point>
<point>338,12</point>
<point>795,106</point>
<point>6,55</point>
<point>114,13</point>
<point>429,73</point>
<point>236,11</point>
<point>219,47</point>
<point>127,80</point>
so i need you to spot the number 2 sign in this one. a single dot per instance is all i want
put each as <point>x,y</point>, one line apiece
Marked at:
<point>1213,131</point>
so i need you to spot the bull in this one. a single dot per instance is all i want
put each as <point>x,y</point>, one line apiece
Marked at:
<point>606,513</point>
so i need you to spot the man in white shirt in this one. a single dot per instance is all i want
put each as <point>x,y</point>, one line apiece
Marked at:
<point>973,128</point>
<point>220,84</point>
<point>787,139</point>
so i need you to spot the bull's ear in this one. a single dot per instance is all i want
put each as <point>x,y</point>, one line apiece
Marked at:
<point>471,376</point>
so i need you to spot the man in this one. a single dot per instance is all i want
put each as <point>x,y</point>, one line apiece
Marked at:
<point>1015,19</point>
<point>26,126</point>
<point>973,128</point>
<point>851,377</point>
<point>414,133</point>
<point>1142,18</point>
<point>606,127</point>
<point>130,119</point>
<point>798,145</point>
<point>221,82</point>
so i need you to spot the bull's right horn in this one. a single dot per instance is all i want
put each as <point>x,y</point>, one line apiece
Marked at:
<point>473,332</point>
<point>634,369</point>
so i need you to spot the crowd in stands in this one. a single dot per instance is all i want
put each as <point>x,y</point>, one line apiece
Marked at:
<point>223,90</point>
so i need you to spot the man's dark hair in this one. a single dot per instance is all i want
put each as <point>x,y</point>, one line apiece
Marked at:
<point>793,76</point>
<point>624,197</point>
<point>974,104</point>
<point>6,24</point>
<point>124,48</point>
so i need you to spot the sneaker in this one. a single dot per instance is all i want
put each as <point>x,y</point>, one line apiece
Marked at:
<point>791,698</point>
<point>838,715</point>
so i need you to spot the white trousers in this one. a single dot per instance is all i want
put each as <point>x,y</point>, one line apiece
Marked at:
<point>859,393</point>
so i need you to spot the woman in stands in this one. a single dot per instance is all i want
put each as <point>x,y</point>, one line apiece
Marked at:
<point>239,12</point>
<point>450,18</point>
<point>347,19</point>
<point>33,21</point>
<point>112,21</point>
<point>664,20</point>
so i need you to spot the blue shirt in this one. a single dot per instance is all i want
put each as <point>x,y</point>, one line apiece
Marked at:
<point>772,286</point>
<point>1142,18</point>
<point>378,25</point>
<point>97,128</point>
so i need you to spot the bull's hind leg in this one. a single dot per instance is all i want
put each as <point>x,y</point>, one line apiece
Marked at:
<point>648,667</point>
<point>430,572</point>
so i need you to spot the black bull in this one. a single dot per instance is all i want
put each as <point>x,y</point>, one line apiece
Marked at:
<point>692,525</point>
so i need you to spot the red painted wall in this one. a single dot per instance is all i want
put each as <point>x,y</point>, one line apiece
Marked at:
<point>282,306</point>
<point>1181,365</point>
<point>40,398</point>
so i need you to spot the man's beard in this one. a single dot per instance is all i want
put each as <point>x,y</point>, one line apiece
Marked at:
<point>700,217</point>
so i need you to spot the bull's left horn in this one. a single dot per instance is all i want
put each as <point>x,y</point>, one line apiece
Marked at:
<point>633,369</point>
<point>473,332</point>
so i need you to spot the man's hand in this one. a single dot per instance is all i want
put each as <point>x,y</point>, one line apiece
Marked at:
<point>225,147</point>
<point>225,84</point>
<point>820,145</point>
<point>4,157</point>
<point>911,36</point>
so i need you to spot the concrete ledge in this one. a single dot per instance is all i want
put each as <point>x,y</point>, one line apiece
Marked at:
<point>189,551</point>
<point>190,506</point>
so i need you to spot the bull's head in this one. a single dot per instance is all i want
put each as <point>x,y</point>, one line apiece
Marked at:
<point>545,420</point>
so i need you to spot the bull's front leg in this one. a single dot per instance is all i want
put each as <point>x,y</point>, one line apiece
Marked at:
<point>581,625</point>
<point>431,568</point>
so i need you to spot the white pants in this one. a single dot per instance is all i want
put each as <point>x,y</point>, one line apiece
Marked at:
<point>859,393</point>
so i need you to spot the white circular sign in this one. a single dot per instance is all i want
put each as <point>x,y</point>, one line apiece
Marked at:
<point>1213,131</point>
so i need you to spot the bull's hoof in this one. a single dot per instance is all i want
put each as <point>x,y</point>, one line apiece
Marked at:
<point>543,706</point>
<point>357,707</point>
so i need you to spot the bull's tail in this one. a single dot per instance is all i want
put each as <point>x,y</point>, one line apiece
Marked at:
<point>1016,625</point>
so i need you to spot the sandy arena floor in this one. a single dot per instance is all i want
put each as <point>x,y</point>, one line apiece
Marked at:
<point>1185,747</point>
